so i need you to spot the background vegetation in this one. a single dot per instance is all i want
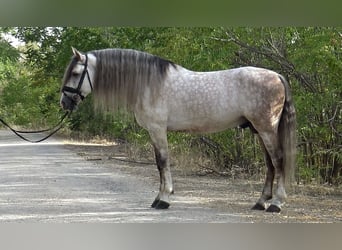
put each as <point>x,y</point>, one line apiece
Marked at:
<point>309,57</point>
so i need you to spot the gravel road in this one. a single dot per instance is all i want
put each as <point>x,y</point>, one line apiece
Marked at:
<point>63,181</point>
<point>50,182</point>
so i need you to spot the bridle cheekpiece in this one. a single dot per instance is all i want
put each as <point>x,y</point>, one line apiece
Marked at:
<point>77,91</point>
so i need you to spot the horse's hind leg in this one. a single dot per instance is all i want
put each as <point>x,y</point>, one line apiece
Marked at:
<point>272,145</point>
<point>267,190</point>
<point>159,139</point>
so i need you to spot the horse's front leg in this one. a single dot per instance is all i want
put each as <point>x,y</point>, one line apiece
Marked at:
<point>159,140</point>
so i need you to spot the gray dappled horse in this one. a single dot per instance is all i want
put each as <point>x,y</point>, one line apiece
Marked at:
<point>165,96</point>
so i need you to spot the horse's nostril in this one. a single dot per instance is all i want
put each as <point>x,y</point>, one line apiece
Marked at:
<point>62,103</point>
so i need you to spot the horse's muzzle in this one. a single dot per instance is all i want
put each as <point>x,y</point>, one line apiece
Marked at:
<point>68,103</point>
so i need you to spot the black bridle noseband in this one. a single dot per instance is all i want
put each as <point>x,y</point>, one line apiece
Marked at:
<point>77,91</point>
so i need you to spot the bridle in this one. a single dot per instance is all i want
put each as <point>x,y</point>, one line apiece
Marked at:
<point>77,91</point>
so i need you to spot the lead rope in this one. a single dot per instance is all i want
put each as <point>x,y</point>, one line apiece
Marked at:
<point>54,129</point>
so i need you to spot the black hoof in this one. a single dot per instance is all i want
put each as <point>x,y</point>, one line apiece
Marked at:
<point>273,209</point>
<point>162,205</point>
<point>154,204</point>
<point>258,206</point>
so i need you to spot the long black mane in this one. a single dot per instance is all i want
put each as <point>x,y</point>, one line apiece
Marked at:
<point>122,75</point>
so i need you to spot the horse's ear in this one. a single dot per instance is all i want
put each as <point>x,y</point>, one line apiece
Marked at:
<point>78,54</point>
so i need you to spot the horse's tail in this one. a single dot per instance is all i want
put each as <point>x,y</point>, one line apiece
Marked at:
<point>287,133</point>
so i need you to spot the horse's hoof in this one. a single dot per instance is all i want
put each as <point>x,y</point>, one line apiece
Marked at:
<point>258,206</point>
<point>273,209</point>
<point>154,204</point>
<point>162,205</point>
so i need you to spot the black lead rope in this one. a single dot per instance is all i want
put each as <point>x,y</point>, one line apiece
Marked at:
<point>54,130</point>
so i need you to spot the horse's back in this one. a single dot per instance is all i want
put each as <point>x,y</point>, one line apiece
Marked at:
<point>217,100</point>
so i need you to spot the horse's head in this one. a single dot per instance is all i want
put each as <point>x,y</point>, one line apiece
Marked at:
<point>77,81</point>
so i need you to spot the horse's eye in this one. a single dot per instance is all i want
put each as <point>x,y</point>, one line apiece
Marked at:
<point>75,74</point>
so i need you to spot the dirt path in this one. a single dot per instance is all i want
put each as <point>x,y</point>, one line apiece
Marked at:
<point>59,182</point>
<point>53,182</point>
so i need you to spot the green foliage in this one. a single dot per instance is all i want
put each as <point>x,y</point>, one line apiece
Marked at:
<point>27,103</point>
<point>8,58</point>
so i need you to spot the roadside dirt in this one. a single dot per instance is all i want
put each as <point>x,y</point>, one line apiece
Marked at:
<point>305,204</point>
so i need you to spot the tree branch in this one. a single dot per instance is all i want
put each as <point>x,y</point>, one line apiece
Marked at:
<point>272,54</point>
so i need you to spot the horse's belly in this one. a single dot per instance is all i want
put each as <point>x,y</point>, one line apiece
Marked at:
<point>204,124</point>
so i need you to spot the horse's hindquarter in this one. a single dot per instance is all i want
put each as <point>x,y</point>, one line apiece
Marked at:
<point>215,101</point>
